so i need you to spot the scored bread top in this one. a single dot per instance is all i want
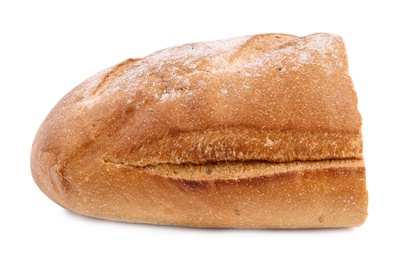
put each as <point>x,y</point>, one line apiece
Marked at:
<point>270,97</point>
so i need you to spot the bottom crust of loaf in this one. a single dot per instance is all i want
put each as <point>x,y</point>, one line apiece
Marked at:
<point>325,194</point>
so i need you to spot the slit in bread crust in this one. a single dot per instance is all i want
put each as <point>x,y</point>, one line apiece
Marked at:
<point>236,169</point>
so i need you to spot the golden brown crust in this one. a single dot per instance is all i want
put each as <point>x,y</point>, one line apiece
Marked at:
<point>303,197</point>
<point>260,102</point>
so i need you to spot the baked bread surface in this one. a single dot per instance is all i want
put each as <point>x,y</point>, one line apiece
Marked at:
<point>258,131</point>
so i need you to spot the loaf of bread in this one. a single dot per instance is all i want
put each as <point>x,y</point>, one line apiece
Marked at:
<point>258,131</point>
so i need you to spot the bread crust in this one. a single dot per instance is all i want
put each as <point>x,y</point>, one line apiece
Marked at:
<point>259,131</point>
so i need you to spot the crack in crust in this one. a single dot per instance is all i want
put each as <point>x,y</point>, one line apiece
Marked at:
<point>237,144</point>
<point>236,169</point>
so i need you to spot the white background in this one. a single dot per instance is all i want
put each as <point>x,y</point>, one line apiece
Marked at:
<point>49,47</point>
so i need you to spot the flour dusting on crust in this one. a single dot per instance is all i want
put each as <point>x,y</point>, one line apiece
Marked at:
<point>180,71</point>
